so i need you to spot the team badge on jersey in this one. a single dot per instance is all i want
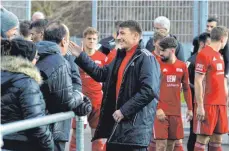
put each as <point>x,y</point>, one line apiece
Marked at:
<point>219,66</point>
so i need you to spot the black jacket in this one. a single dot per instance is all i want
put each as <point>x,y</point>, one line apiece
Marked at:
<point>179,51</point>
<point>57,88</point>
<point>76,80</point>
<point>191,70</point>
<point>22,99</point>
<point>137,96</point>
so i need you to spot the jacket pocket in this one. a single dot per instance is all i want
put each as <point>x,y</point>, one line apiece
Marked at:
<point>134,119</point>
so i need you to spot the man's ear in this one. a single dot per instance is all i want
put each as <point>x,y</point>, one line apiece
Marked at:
<point>63,42</point>
<point>136,35</point>
<point>201,44</point>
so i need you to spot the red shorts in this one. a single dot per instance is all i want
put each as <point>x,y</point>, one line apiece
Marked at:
<point>93,117</point>
<point>171,128</point>
<point>215,120</point>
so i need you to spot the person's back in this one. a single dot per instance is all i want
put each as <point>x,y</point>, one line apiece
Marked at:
<point>22,99</point>
<point>57,87</point>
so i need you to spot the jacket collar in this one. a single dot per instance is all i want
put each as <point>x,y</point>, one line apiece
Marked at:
<point>20,65</point>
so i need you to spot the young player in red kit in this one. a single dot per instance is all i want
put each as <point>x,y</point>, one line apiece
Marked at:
<point>168,126</point>
<point>90,87</point>
<point>210,120</point>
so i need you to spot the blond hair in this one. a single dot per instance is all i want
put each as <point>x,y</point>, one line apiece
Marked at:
<point>90,31</point>
<point>218,32</point>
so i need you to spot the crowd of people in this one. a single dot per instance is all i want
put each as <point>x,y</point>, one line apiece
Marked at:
<point>130,93</point>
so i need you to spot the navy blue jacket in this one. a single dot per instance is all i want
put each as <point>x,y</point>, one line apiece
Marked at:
<point>57,87</point>
<point>22,99</point>
<point>136,100</point>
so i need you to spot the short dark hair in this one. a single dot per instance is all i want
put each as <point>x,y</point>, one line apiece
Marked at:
<point>132,25</point>
<point>18,47</point>
<point>218,32</point>
<point>24,28</point>
<point>212,19</point>
<point>55,32</point>
<point>168,42</point>
<point>117,23</point>
<point>39,24</point>
<point>203,37</point>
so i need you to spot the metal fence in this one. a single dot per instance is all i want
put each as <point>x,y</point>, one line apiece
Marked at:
<point>22,125</point>
<point>179,12</point>
<point>220,9</point>
<point>22,8</point>
<point>188,18</point>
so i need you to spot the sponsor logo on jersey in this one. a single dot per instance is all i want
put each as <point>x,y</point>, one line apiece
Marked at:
<point>171,78</point>
<point>179,70</point>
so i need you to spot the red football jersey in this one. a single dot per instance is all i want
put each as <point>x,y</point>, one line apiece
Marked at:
<point>210,63</point>
<point>90,87</point>
<point>173,75</point>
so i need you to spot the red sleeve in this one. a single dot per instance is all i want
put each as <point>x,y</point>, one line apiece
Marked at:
<point>186,88</point>
<point>111,56</point>
<point>201,63</point>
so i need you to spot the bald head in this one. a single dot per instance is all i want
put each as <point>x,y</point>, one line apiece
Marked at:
<point>37,16</point>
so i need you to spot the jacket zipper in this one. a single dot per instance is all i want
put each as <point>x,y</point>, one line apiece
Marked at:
<point>116,123</point>
<point>135,119</point>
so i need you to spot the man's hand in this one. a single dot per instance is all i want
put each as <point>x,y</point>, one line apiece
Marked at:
<point>118,116</point>
<point>84,108</point>
<point>160,115</point>
<point>200,112</point>
<point>189,115</point>
<point>75,49</point>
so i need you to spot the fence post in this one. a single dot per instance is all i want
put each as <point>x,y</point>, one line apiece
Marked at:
<point>28,9</point>
<point>79,133</point>
<point>195,18</point>
<point>203,15</point>
<point>94,14</point>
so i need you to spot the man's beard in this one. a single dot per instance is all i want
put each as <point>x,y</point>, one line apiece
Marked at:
<point>164,59</point>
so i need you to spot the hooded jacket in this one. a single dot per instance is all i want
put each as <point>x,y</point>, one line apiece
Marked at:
<point>137,97</point>
<point>57,87</point>
<point>22,99</point>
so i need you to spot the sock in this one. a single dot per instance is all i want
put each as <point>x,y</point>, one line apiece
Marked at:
<point>199,147</point>
<point>178,147</point>
<point>214,147</point>
<point>152,146</point>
